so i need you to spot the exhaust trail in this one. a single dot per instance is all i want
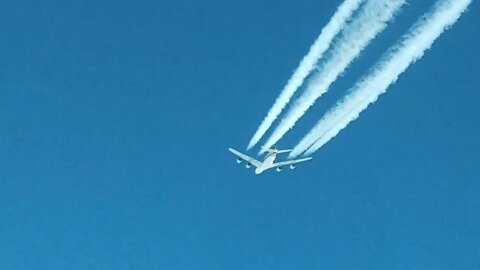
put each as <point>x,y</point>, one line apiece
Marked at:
<point>410,49</point>
<point>372,19</point>
<point>321,44</point>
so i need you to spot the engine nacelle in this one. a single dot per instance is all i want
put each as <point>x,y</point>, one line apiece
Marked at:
<point>239,160</point>
<point>279,169</point>
<point>248,165</point>
<point>292,166</point>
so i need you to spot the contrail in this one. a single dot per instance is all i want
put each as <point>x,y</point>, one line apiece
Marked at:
<point>372,19</point>
<point>337,22</point>
<point>409,50</point>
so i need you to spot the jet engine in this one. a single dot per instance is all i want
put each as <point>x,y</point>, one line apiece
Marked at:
<point>239,160</point>
<point>279,169</point>
<point>292,166</point>
<point>248,165</point>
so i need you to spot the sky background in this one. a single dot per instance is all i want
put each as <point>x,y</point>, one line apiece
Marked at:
<point>116,116</point>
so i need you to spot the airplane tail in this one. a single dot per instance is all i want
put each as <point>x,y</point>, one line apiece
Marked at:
<point>284,151</point>
<point>274,150</point>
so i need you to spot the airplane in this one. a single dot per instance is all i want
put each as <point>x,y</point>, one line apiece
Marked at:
<point>268,162</point>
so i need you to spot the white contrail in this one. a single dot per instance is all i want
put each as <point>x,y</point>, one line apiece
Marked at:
<point>372,19</point>
<point>337,22</point>
<point>409,50</point>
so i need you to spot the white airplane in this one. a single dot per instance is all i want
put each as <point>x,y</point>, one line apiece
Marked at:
<point>268,162</point>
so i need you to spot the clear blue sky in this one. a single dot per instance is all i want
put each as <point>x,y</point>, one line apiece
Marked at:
<point>115,118</point>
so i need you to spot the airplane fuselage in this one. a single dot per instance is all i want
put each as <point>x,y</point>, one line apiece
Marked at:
<point>267,163</point>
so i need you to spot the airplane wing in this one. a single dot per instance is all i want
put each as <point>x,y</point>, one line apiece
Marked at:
<point>248,159</point>
<point>290,162</point>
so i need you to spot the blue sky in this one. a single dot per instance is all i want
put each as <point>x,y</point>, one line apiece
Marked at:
<point>116,116</point>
